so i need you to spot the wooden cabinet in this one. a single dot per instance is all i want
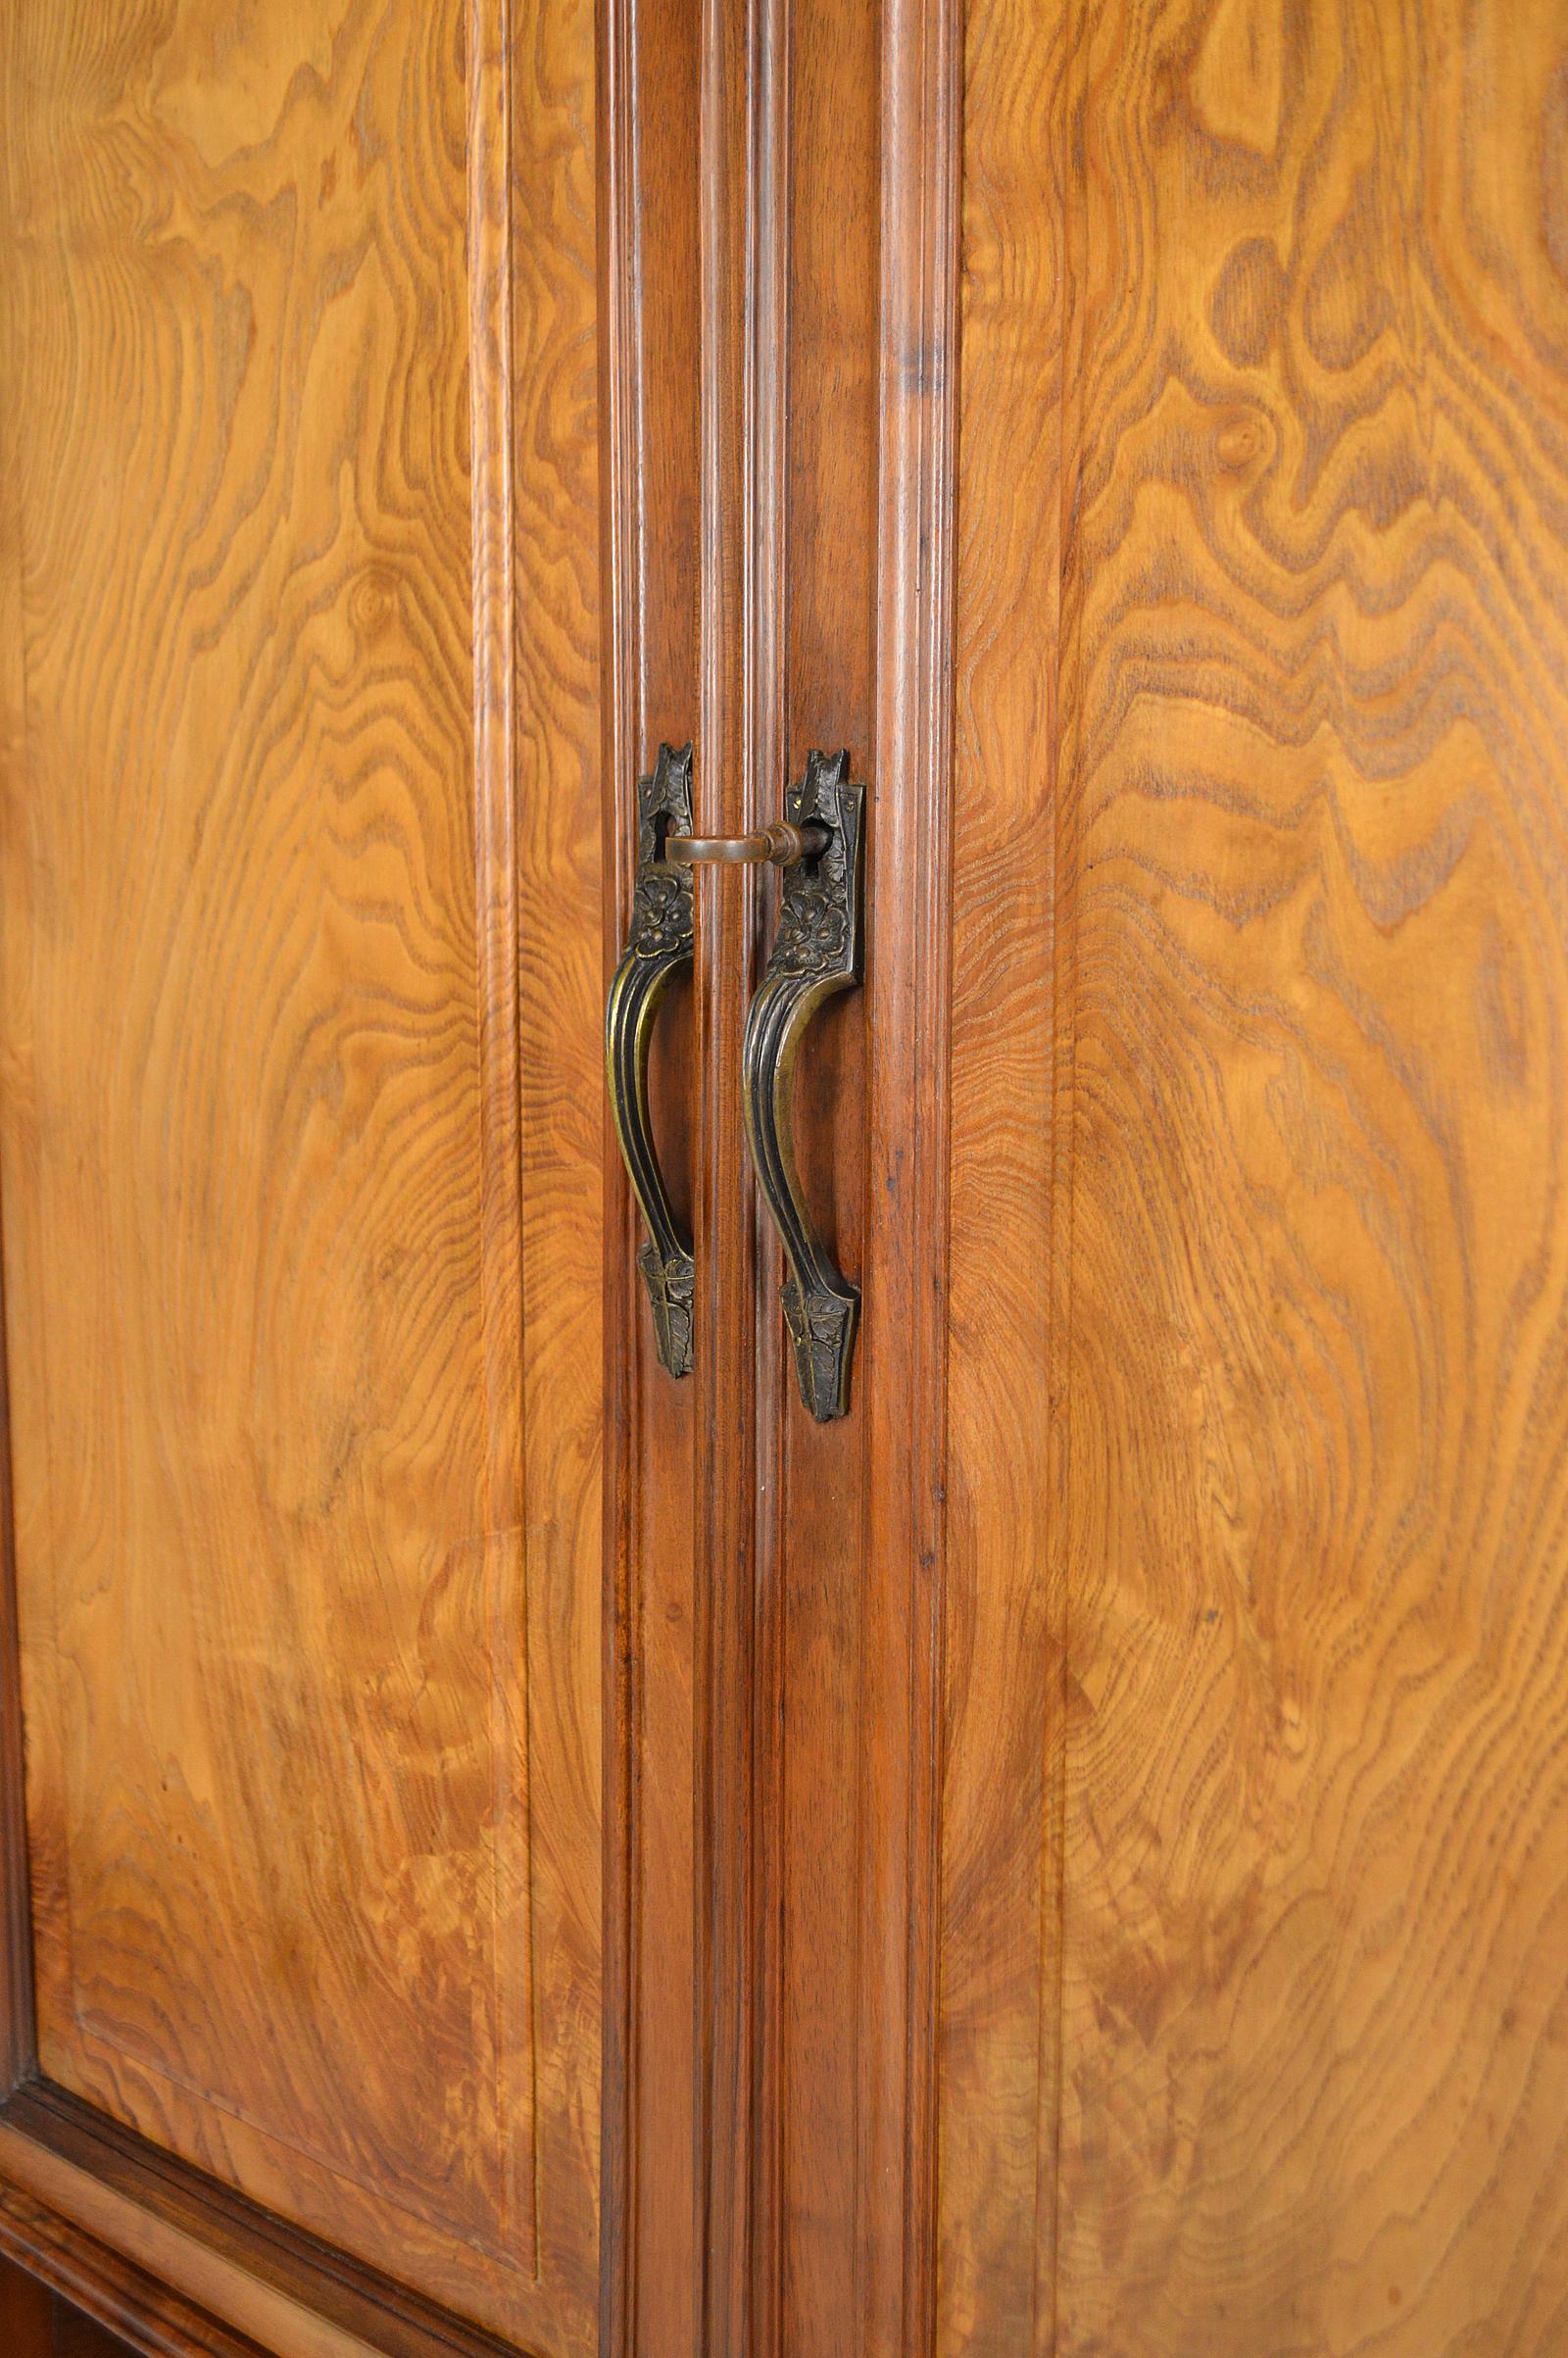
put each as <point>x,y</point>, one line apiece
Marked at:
<point>508,1849</point>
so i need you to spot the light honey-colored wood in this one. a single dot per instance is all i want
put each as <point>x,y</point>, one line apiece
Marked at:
<point>1085,1867</point>
<point>554,864</point>
<point>301,1149</point>
<point>182,2262</point>
<point>1257,1863</point>
<point>996,2047</point>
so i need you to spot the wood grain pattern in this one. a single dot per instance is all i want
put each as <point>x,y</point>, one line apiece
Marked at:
<point>1250,1337</point>
<point>1002,1652</point>
<point>650,283</point>
<point>17,2022</point>
<point>108,2189</point>
<point>822,529</point>
<point>311,1634</point>
<point>1304,1212</point>
<point>74,2292</point>
<point>841,504</point>
<point>908,1224</point>
<point>730,798</point>
<point>823,1539</point>
<point>17,2040</point>
<point>555,866</point>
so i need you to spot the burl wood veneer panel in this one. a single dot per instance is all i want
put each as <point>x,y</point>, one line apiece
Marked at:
<point>301,1279</point>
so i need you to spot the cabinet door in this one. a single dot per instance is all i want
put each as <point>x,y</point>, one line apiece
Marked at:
<point>302,1150</point>
<point>1255,1888</point>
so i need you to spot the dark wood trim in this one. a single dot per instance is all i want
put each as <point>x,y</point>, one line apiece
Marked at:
<point>110,2289</point>
<point>620,643</point>
<point>908,995</point>
<point>28,2313</point>
<point>649,440</point>
<point>765,560</point>
<point>317,2275</point>
<point>738,787</point>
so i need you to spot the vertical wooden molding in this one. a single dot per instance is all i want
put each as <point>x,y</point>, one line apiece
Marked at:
<point>18,2035</point>
<point>648,339</point>
<point>726,1485</point>
<point>1002,1657</point>
<point>17,2020</point>
<point>908,988</point>
<point>766,755</point>
<point>1069,106</point>
<point>490,382</point>
<point>744,192</point>
<point>490,397</point>
<point>742,173</point>
<point>622,641</point>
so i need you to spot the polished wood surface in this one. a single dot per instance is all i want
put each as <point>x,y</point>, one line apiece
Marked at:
<point>738,610</point>
<point>546,394</point>
<point>150,2243</point>
<point>1011,1248</point>
<point>1257,1838</point>
<point>828,151</point>
<point>649,60</point>
<point>820,1538</point>
<point>302,1306</point>
<point>1083,1841</point>
<point>89,2298</point>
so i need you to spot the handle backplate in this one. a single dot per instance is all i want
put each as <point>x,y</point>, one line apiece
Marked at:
<point>816,952</point>
<point>658,947</point>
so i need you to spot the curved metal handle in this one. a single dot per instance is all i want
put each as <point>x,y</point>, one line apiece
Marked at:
<point>815,952</point>
<point>777,846</point>
<point>659,946</point>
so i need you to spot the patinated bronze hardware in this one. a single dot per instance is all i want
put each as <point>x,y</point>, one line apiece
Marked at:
<point>658,947</point>
<point>816,952</point>
<point>779,846</point>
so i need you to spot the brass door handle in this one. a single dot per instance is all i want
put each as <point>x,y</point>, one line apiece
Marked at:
<point>659,946</point>
<point>779,846</point>
<point>816,952</point>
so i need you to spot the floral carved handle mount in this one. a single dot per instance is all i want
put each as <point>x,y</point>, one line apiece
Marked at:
<point>816,953</point>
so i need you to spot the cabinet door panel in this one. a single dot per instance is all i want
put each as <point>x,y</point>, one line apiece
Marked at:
<point>1258,1847</point>
<point>302,1287</point>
